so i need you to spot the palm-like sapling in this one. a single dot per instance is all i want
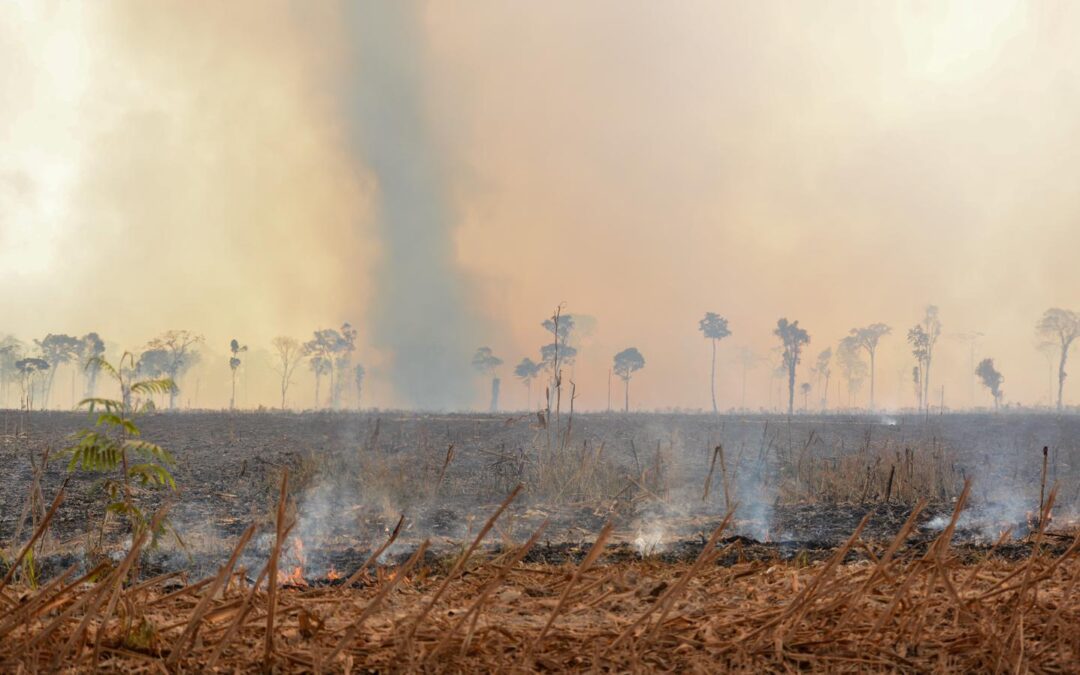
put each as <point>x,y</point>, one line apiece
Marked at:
<point>113,445</point>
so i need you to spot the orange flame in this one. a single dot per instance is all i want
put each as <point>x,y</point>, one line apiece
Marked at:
<point>296,576</point>
<point>333,574</point>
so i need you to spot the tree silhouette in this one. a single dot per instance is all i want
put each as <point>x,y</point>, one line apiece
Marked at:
<point>289,352</point>
<point>56,349</point>
<point>1062,326</point>
<point>28,369</point>
<point>327,351</point>
<point>916,381</point>
<point>852,367</point>
<point>805,389</point>
<point>793,339</point>
<point>526,371</point>
<point>320,365</point>
<point>180,354</point>
<point>867,338</point>
<point>343,360</point>
<point>235,348</point>
<point>557,353</point>
<point>91,351</point>
<point>991,379</point>
<point>485,361</point>
<point>715,328</point>
<point>627,362</point>
<point>561,326</point>
<point>923,337</point>
<point>11,350</point>
<point>823,370</point>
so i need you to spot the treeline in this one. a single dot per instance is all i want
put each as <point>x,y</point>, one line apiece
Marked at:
<point>29,369</point>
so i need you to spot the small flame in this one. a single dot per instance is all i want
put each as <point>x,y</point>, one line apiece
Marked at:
<point>294,578</point>
<point>333,574</point>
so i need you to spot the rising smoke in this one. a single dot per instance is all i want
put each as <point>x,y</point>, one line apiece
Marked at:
<point>419,314</point>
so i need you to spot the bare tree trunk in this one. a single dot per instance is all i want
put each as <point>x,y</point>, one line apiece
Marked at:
<point>494,394</point>
<point>1061,371</point>
<point>626,394</point>
<point>174,390</point>
<point>712,377</point>
<point>926,383</point>
<point>791,390</point>
<point>232,398</point>
<point>871,380</point>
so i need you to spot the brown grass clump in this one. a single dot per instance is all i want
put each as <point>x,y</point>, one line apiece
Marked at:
<point>894,609</point>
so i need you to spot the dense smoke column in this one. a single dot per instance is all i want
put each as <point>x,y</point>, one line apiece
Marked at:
<point>419,309</point>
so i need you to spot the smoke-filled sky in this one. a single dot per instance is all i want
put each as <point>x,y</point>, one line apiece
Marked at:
<point>236,169</point>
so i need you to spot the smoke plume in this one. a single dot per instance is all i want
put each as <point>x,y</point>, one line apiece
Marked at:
<point>419,313</point>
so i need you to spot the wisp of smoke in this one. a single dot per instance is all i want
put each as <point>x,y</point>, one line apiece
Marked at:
<point>419,313</point>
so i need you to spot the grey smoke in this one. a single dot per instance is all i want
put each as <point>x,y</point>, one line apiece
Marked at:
<point>419,313</point>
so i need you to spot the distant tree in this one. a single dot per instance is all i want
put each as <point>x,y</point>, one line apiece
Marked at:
<point>923,337</point>
<point>328,352</point>
<point>526,371</point>
<point>1063,327</point>
<point>485,361</point>
<point>180,351</point>
<point>28,369</point>
<point>805,389</point>
<point>343,360</point>
<point>916,381</point>
<point>235,349</point>
<point>320,352</point>
<point>991,379</point>
<point>867,338</point>
<point>288,352</point>
<point>557,353</point>
<point>358,378</point>
<point>715,328</point>
<point>11,350</point>
<point>56,349</point>
<point>554,355</point>
<point>91,351</point>
<point>561,326</point>
<point>627,362</point>
<point>320,366</point>
<point>823,371</point>
<point>793,339</point>
<point>852,368</point>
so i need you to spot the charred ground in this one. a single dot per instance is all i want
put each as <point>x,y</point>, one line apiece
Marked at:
<point>801,486</point>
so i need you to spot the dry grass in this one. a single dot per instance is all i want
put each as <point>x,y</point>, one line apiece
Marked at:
<point>896,609</point>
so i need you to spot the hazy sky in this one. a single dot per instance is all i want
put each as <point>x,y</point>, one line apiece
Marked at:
<point>180,165</point>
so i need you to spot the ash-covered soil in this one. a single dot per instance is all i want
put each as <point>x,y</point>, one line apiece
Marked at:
<point>352,475</point>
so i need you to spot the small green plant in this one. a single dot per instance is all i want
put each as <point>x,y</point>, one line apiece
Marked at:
<point>113,445</point>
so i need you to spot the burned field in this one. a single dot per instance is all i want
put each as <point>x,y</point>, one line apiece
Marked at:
<point>845,543</point>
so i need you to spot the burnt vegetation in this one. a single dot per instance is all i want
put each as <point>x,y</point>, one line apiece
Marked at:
<point>141,530</point>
